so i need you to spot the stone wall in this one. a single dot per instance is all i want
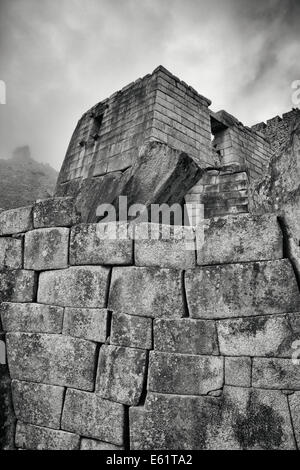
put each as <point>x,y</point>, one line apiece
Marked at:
<point>149,344</point>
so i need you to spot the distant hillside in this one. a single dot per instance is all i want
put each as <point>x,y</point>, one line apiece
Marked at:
<point>23,180</point>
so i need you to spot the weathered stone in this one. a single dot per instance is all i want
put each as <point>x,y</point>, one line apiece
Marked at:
<point>121,374</point>
<point>149,292</point>
<point>275,373</point>
<point>185,336</point>
<point>101,244</point>
<point>294,402</point>
<point>51,358</point>
<point>185,374</point>
<point>7,415</point>
<point>238,371</point>
<point>33,437</point>
<point>87,414</point>
<point>240,419</point>
<point>55,212</point>
<point>38,404</point>
<point>46,249</point>
<point>16,220</point>
<point>31,318</point>
<point>84,286</point>
<point>242,290</point>
<point>92,444</point>
<point>17,285</point>
<point>240,238</point>
<point>165,246</point>
<point>131,331</point>
<point>87,323</point>
<point>11,255</point>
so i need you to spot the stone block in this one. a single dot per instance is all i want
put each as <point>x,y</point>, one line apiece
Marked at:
<point>33,437</point>
<point>237,290</point>
<point>131,331</point>
<point>165,246</point>
<point>294,402</point>
<point>31,318</point>
<point>7,415</point>
<point>11,253</point>
<point>185,336</point>
<point>87,323</point>
<point>101,244</point>
<point>149,292</point>
<point>185,374</point>
<point>91,416</point>
<point>275,373</point>
<point>17,285</point>
<point>55,212</point>
<point>121,374</point>
<point>16,220</point>
<point>93,444</point>
<point>258,336</point>
<point>84,286</point>
<point>240,238</point>
<point>238,371</point>
<point>38,404</point>
<point>46,249</point>
<point>53,359</point>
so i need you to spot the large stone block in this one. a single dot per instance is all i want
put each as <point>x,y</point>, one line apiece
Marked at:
<point>93,444</point>
<point>240,238</point>
<point>238,371</point>
<point>87,323</point>
<point>185,336</point>
<point>185,374</point>
<point>259,336</point>
<point>55,212</point>
<point>53,359</point>
<point>46,249</point>
<point>84,286</point>
<point>149,292</point>
<point>91,416</point>
<point>165,246</point>
<point>238,290</point>
<point>101,244</point>
<point>275,373</point>
<point>33,437</point>
<point>11,253</point>
<point>16,220</point>
<point>131,331</point>
<point>31,318</point>
<point>121,374</point>
<point>38,404</point>
<point>294,402</point>
<point>17,285</point>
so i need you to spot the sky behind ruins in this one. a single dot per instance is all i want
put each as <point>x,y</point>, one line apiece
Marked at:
<point>59,57</point>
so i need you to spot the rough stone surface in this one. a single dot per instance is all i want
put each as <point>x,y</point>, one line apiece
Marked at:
<point>31,318</point>
<point>101,244</point>
<point>121,374</point>
<point>87,323</point>
<point>242,290</point>
<point>33,437</point>
<point>149,292</point>
<point>93,444</point>
<point>185,336</point>
<point>240,238</point>
<point>16,220</point>
<point>11,253</point>
<point>185,374</point>
<point>53,359</point>
<point>84,286</point>
<point>7,415</point>
<point>165,246</point>
<point>275,373</point>
<point>131,331</point>
<point>238,371</point>
<point>91,416</point>
<point>294,402</point>
<point>38,404</point>
<point>55,212</point>
<point>259,336</point>
<point>46,249</point>
<point>17,285</point>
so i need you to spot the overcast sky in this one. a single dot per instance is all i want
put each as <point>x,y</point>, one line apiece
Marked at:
<point>60,57</point>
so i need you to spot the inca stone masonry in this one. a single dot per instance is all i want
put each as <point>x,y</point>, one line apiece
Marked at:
<point>142,344</point>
